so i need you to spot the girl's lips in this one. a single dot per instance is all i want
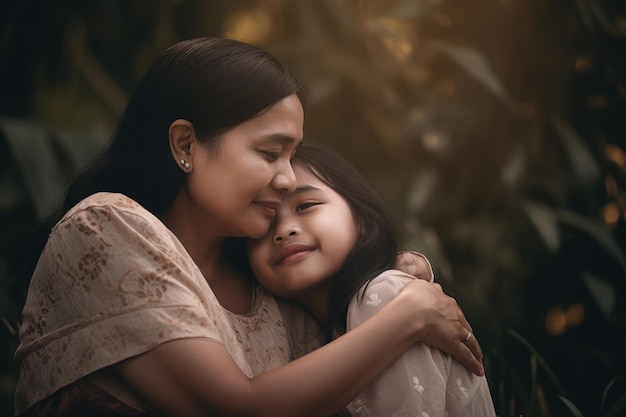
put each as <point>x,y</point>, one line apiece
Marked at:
<point>295,257</point>
<point>292,253</point>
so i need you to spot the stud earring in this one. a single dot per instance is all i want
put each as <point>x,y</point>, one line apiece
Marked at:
<point>184,163</point>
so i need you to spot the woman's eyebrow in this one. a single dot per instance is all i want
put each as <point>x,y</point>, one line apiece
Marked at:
<point>282,139</point>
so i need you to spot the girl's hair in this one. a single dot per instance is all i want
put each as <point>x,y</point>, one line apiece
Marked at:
<point>377,243</point>
<point>214,83</point>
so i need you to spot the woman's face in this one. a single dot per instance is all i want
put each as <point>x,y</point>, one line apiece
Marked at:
<point>238,184</point>
<point>311,236</point>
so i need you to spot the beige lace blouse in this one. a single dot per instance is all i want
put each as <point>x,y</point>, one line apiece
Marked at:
<point>423,382</point>
<point>114,282</point>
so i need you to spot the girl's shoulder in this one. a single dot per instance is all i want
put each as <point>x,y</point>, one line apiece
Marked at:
<point>375,295</point>
<point>391,277</point>
<point>384,286</point>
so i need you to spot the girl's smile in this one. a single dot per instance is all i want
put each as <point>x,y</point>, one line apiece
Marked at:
<point>309,239</point>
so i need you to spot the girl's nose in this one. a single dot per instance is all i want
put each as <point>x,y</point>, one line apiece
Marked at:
<point>285,233</point>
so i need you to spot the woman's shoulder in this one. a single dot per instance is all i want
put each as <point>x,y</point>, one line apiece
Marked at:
<point>106,205</point>
<point>109,211</point>
<point>115,201</point>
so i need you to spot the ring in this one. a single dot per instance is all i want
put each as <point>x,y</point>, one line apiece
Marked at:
<point>469,334</point>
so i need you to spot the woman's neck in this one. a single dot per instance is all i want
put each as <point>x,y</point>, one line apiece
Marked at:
<point>191,230</point>
<point>233,291</point>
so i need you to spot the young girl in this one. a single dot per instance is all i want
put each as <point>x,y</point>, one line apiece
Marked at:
<point>330,248</point>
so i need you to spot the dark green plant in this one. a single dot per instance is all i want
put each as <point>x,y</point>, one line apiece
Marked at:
<point>492,128</point>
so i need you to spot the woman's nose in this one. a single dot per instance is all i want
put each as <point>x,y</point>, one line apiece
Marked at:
<point>285,180</point>
<point>285,233</point>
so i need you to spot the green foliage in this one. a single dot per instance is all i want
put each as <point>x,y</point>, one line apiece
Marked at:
<point>490,127</point>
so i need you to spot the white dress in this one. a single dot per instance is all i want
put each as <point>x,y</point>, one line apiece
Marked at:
<point>423,382</point>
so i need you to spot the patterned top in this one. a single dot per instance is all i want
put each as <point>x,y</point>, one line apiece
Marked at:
<point>113,282</point>
<point>423,382</point>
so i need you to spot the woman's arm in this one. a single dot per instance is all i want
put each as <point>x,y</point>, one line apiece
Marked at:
<point>195,377</point>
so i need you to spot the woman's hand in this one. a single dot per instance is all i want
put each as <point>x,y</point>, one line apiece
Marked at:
<point>442,324</point>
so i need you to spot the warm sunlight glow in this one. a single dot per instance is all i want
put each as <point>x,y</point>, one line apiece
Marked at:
<point>610,213</point>
<point>575,314</point>
<point>556,323</point>
<point>558,319</point>
<point>610,184</point>
<point>583,65</point>
<point>616,155</point>
<point>252,26</point>
<point>393,36</point>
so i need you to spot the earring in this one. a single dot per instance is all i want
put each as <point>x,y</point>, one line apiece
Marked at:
<point>184,163</point>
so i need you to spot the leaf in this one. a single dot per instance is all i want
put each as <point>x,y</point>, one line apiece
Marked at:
<point>585,165</point>
<point>32,149</point>
<point>81,145</point>
<point>621,400</point>
<point>513,169</point>
<point>409,9</point>
<point>602,293</point>
<point>420,190</point>
<point>540,359</point>
<point>474,65</point>
<point>617,407</point>
<point>585,14</point>
<point>596,231</point>
<point>571,406</point>
<point>588,10</point>
<point>544,219</point>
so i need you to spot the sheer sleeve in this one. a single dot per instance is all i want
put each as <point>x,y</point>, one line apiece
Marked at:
<point>424,381</point>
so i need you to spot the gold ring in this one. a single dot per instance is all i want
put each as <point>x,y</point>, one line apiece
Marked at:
<point>469,334</point>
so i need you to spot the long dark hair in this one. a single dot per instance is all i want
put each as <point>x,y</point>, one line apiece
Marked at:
<point>378,242</point>
<point>214,83</point>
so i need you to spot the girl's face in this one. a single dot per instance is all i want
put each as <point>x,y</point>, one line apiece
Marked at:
<point>236,186</point>
<point>311,236</point>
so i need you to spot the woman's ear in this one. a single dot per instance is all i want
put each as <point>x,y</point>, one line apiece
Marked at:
<point>181,137</point>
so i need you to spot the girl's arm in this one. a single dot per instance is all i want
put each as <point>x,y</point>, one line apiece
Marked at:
<point>196,377</point>
<point>423,381</point>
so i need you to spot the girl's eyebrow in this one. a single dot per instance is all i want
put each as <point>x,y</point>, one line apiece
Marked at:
<point>305,189</point>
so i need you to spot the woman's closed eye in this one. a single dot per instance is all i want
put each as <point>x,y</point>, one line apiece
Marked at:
<point>270,156</point>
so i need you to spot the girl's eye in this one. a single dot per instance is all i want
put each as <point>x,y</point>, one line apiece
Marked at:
<point>307,205</point>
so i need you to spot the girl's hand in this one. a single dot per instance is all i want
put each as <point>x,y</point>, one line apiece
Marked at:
<point>442,324</point>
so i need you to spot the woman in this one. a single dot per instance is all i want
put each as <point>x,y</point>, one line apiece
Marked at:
<point>331,248</point>
<point>133,309</point>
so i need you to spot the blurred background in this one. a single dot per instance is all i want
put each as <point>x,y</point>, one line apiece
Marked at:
<point>494,129</point>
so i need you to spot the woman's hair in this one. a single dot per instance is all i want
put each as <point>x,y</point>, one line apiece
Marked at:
<point>214,83</point>
<point>377,243</point>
